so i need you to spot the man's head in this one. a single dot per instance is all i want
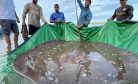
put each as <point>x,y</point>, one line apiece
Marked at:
<point>56,7</point>
<point>123,2</point>
<point>35,1</point>
<point>87,3</point>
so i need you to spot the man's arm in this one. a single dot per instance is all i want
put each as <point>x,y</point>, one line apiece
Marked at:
<point>130,13</point>
<point>63,18</point>
<point>41,16</point>
<point>25,11</point>
<point>52,19</point>
<point>18,21</point>
<point>80,4</point>
<point>89,17</point>
<point>113,17</point>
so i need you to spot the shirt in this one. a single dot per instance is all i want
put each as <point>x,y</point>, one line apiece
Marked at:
<point>123,13</point>
<point>57,16</point>
<point>85,15</point>
<point>34,13</point>
<point>7,10</point>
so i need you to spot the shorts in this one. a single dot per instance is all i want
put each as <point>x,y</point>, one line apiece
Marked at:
<point>32,29</point>
<point>9,26</point>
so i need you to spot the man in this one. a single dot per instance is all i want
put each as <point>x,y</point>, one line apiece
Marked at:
<point>57,16</point>
<point>85,15</point>
<point>8,18</point>
<point>34,12</point>
<point>125,12</point>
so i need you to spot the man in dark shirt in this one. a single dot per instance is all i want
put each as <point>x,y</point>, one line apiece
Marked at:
<point>123,13</point>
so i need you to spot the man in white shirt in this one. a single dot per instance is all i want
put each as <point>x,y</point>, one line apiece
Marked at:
<point>8,20</point>
<point>35,13</point>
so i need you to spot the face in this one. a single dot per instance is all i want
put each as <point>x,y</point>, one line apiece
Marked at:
<point>35,1</point>
<point>87,3</point>
<point>56,8</point>
<point>123,2</point>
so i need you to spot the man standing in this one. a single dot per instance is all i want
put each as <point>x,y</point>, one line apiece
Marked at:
<point>57,16</point>
<point>35,13</point>
<point>125,12</point>
<point>8,18</point>
<point>85,15</point>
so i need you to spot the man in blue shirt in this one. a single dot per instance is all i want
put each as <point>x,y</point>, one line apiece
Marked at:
<point>57,16</point>
<point>85,15</point>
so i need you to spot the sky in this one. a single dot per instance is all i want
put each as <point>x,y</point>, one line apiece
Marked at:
<point>101,9</point>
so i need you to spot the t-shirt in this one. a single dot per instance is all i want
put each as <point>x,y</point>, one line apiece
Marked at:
<point>123,13</point>
<point>7,10</point>
<point>85,15</point>
<point>34,12</point>
<point>57,16</point>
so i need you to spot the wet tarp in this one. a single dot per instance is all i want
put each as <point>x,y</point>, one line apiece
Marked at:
<point>122,35</point>
<point>119,34</point>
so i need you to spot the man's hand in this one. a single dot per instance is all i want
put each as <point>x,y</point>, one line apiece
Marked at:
<point>79,26</point>
<point>58,21</point>
<point>109,19</point>
<point>126,19</point>
<point>18,21</point>
<point>23,23</point>
<point>46,22</point>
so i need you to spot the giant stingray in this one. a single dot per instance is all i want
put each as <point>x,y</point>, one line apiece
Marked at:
<point>60,62</point>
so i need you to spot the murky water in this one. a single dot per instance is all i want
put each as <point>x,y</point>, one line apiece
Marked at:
<point>59,62</point>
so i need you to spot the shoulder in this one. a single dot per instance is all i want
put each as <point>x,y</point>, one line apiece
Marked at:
<point>130,6</point>
<point>52,14</point>
<point>62,13</point>
<point>27,4</point>
<point>90,10</point>
<point>39,6</point>
<point>118,8</point>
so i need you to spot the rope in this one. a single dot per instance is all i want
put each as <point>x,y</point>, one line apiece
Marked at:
<point>79,39</point>
<point>76,12</point>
